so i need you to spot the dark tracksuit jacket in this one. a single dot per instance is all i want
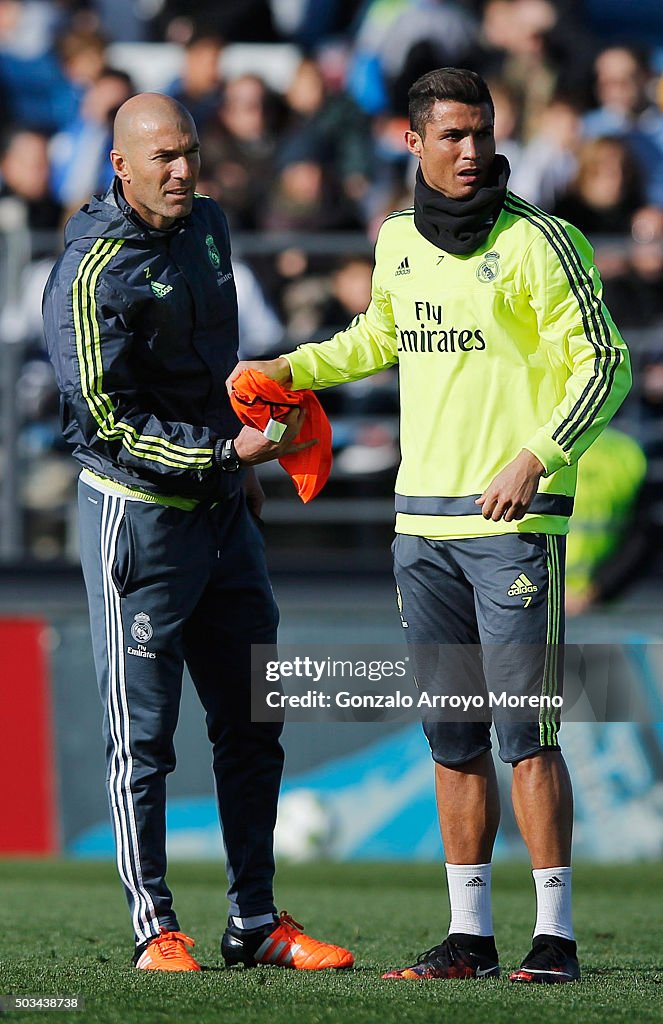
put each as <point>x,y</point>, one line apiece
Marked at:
<point>141,327</point>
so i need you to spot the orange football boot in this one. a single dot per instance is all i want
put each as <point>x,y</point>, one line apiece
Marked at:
<point>166,952</point>
<point>282,944</point>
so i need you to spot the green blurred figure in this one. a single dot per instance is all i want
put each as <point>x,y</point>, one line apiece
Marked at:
<point>608,529</point>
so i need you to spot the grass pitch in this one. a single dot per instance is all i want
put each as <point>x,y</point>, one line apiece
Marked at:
<point>65,930</point>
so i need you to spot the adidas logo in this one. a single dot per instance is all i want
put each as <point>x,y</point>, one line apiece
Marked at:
<point>476,881</point>
<point>160,290</point>
<point>554,883</point>
<point>522,585</point>
<point>403,267</point>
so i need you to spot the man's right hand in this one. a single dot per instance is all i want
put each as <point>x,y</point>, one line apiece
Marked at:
<point>253,448</point>
<point>275,369</point>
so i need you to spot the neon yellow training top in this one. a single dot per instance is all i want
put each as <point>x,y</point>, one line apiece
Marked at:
<point>507,348</point>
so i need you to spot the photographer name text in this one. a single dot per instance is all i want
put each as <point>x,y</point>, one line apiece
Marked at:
<point>345,699</point>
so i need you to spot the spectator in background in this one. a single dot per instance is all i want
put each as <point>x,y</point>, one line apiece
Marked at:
<point>508,117</point>
<point>548,162</point>
<point>397,41</point>
<point>646,265</point>
<point>238,150</point>
<point>37,93</point>
<point>234,20</point>
<point>27,28</point>
<point>318,305</point>
<point>349,294</point>
<point>306,197</point>
<point>80,154</point>
<point>514,33</point>
<point>200,87</point>
<point>625,109</point>
<point>393,170</point>
<point>260,330</point>
<point>606,190</point>
<point>82,55</point>
<point>26,200</point>
<point>541,48</point>
<point>366,447</point>
<point>124,20</point>
<point>333,124</point>
<point>47,477</point>
<point>633,275</point>
<point>423,35</point>
<point>25,196</point>
<point>79,57</point>
<point>309,22</point>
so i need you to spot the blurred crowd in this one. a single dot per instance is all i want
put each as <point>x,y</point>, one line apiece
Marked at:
<point>578,90</point>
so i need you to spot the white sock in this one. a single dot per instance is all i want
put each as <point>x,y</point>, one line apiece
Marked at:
<point>253,922</point>
<point>469,898</point>
<point>553,902</point>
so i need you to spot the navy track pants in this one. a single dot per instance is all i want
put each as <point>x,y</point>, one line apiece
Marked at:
<point>167,586</point>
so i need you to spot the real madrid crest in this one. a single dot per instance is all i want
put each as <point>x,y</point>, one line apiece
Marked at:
<point>141,630</point>
<point>489,267</point>
<point>213,252</point>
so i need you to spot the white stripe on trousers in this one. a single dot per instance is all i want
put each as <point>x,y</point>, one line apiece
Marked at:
<point>145,919</point>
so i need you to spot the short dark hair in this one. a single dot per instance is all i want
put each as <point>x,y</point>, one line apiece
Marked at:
<point>456,84</point>
<point>118,73</point>
<point>203,37</point>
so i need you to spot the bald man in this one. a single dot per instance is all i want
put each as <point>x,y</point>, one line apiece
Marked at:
<point>140,317</point>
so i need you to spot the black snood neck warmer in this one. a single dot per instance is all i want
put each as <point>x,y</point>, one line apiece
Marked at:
<point>460,226</point>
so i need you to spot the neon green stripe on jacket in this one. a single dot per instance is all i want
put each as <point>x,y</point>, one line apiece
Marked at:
<point>88,350</point>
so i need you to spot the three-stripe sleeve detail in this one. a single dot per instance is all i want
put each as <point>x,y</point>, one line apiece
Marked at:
<point>607,355</point>
<point>548,716</point>
<point>90,364</point>
<point>145,920</point>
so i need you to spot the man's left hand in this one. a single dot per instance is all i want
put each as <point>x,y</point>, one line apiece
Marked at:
<point>510,493</point>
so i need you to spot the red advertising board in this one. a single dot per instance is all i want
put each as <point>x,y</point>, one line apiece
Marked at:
<point>28,821</point>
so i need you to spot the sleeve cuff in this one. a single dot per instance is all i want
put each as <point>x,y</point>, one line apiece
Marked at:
<point>301,376</point>
<point>548,452</point>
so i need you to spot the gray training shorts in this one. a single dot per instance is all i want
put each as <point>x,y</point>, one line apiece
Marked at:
<point>482,616</point>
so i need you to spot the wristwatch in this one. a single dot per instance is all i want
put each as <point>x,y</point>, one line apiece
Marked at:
<point>229,461</point>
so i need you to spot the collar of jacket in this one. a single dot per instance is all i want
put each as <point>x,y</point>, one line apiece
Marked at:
<point>460,226</point>
<point>115,195</point>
